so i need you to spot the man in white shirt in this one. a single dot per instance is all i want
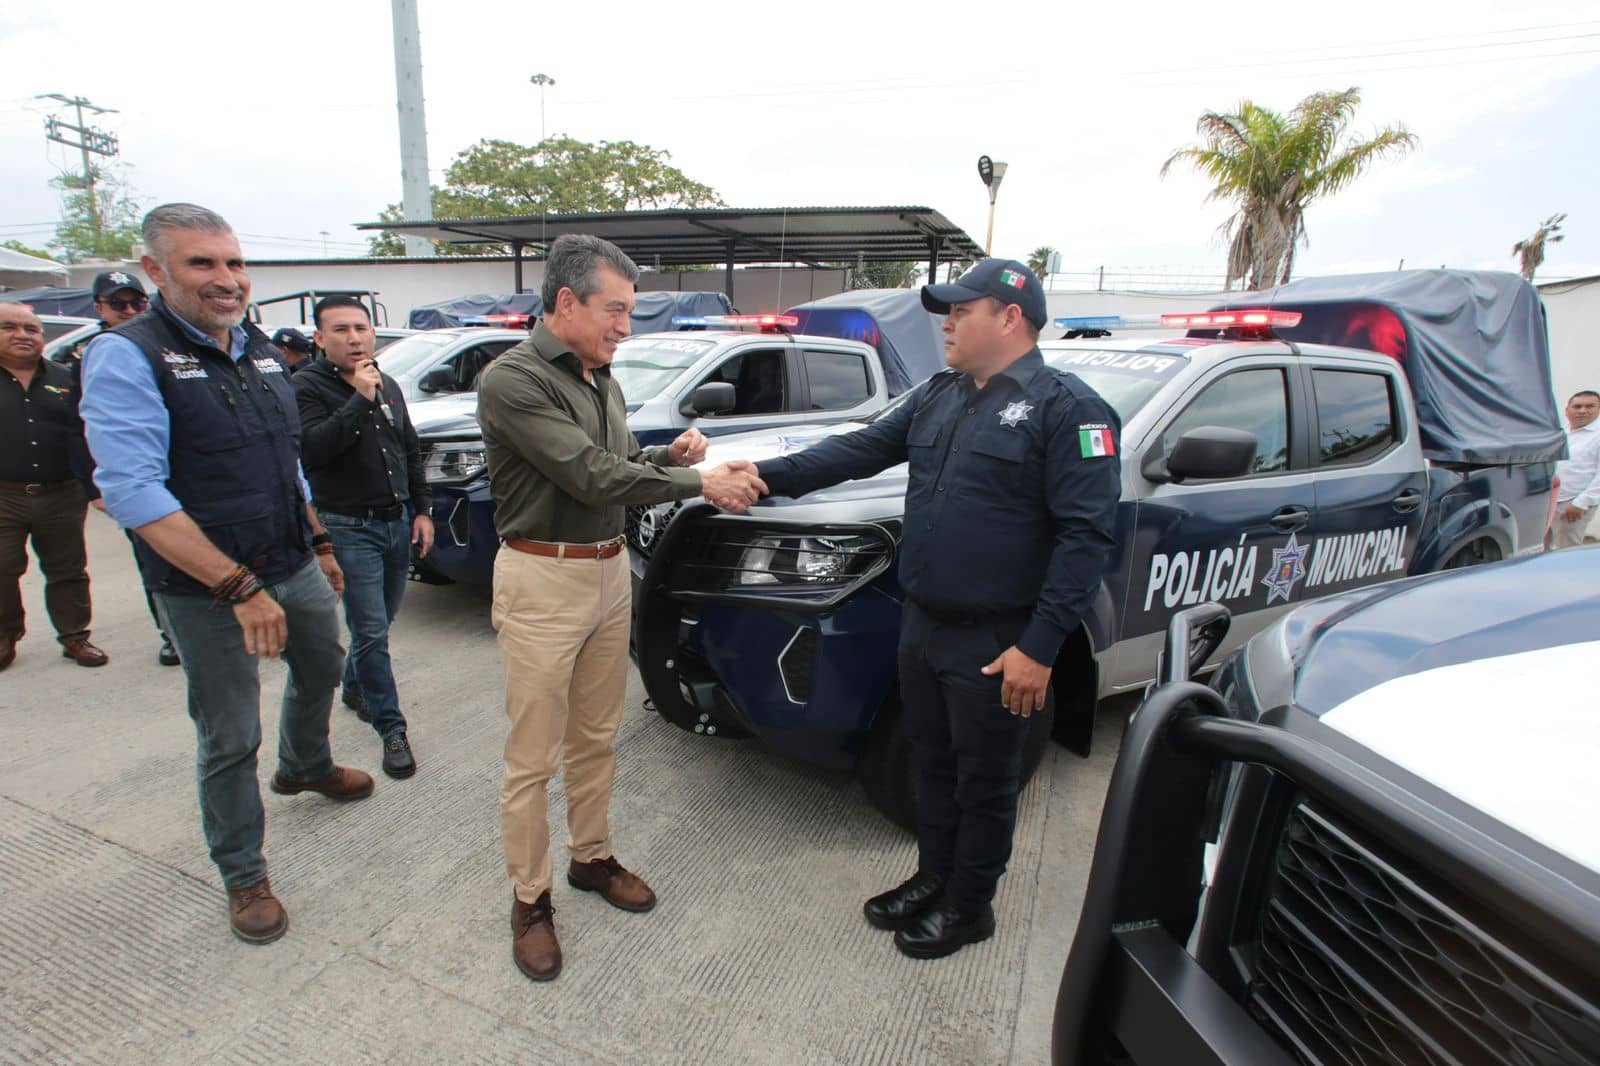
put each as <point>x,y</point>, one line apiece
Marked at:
<point>1579,472</point>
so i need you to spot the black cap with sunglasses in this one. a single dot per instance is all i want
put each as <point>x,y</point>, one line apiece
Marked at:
<point>108,282</point>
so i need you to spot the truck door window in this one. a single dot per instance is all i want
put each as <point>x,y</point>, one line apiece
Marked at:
<point>470,363</point>
<point>837,379</point>
<point>1255,401</point>
<point>1355,415</point>
<point>758,382</point>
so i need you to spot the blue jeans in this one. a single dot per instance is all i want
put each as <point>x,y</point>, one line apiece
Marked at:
<point>375,557</point>
<point>225,704</point>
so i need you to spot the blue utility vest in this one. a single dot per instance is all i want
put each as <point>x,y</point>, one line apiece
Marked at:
<point>233,450</point>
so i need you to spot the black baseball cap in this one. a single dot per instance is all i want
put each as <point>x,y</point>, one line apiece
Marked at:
<point>1006,280</point>
<point>293,340</point>
<point>109,281</point>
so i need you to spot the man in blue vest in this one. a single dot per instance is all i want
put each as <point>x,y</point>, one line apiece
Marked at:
<point>190,415</point>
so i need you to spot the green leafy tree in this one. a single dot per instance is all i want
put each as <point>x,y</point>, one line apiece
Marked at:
<point>98,223</point>
<point>884,275</point>
<point>559,175</point>
<point>1273,166</point>
<point>1039,261</point>
<point>1531,251</point>
<point>18,246</point>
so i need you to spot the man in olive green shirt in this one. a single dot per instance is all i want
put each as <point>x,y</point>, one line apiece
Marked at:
<point>563,468</point>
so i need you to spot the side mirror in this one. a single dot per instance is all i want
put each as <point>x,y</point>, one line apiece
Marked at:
<point>439,379</point>
<point>1205,452</point>
<point>712,398</point>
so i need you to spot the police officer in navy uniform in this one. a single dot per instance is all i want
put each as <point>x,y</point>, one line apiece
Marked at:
<point>295,348</point>
<point>1009,521</point>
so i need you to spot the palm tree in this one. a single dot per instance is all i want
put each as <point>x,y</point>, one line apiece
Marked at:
<point>1532,249</point>
<point>1039,261</point>
<point>1274,166</point>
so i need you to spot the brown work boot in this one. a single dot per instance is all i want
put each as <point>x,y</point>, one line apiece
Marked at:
<point>80,651</point>
<point>534,947</point>
<point>255,915</point>
<point>343,784</point>
<point>607,877</point>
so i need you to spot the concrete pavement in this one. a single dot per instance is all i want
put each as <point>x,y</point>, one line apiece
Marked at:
<point>113,938</point>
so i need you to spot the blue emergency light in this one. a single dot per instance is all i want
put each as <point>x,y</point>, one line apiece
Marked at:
<point>1187,320</point>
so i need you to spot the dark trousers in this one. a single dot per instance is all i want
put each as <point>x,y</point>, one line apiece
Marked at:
<point>968,749</point>
<point>375,556</point>
<point>53,521</point>
<point>225,704</point>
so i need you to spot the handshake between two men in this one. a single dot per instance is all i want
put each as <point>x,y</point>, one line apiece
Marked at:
<point>733,485</point>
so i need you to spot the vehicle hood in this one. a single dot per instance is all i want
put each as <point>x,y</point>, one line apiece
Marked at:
<point>1511,735</point>
<point>446,416</point>
<point>759,445</point>
<point>1343,646</point>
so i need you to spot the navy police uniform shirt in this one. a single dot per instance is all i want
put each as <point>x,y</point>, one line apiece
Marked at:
<point>1012,494</point>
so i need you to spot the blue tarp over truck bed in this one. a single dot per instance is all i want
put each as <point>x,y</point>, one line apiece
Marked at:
<point>1473,345</point>
<point>653,312</point>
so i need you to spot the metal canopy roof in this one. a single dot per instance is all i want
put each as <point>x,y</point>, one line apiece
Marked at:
<point>725,235</point>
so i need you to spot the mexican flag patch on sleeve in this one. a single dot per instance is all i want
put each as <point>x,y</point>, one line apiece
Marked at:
<point>1095,440</point>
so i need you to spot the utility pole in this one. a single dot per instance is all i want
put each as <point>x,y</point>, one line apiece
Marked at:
<point>416,195</point>
<point>90,141</point>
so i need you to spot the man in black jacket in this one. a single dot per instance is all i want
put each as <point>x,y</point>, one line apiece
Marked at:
<point>364,463</point>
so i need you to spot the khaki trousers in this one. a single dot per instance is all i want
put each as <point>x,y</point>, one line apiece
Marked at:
<point>1567,534</point>
<point>563,632</point>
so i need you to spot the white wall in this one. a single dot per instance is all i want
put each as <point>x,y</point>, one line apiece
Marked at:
<point>404,284</point>
<point>1573,311</point>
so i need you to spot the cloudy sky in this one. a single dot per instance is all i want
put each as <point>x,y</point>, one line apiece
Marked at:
<point>282,115</point>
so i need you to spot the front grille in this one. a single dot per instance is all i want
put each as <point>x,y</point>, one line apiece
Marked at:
<point>1360,964</point>
<point>645,524</point>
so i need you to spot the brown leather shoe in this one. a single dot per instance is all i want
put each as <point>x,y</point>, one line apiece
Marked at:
<point>607,877</point>
<point>534,947</point>
<point>255,915</point>
<point>343,784</point>
<point>8,651</point>
<point>83,653</point>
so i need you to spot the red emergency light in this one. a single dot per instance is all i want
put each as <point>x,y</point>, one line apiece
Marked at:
<point>1232,319</point>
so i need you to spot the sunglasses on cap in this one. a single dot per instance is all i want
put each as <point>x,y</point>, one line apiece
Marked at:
<point>117,303</point>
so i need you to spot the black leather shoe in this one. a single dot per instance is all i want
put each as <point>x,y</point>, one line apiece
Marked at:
<point>397,760</point>
<point>168,655</point>
<point>357,702</point>
<point>943,930</point>
<point>898,907</point>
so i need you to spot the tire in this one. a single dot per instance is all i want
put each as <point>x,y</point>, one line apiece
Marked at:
<point>1475,554</point>
<point>888,765</point>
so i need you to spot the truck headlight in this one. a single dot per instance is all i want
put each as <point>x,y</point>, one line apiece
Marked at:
<point>450,462</point>
<point>806,560</point>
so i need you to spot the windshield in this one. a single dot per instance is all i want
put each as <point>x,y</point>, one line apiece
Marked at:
<point>1125,380</point>
<point>646,366</point>
<point>404,356</point>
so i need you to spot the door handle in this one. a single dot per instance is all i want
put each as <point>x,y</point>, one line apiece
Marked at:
<point>1286,519</point>
<point>1408,500</point>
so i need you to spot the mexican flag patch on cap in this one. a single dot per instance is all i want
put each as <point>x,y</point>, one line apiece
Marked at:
<point>1012,278</point>
<point>1096,440</point>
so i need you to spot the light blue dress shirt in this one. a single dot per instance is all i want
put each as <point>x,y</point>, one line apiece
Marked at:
<point>128,428</point>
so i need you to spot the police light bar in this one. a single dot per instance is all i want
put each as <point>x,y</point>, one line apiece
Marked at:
<point>761,321</point>
<point>1186,320</point>
<point>495,320</point>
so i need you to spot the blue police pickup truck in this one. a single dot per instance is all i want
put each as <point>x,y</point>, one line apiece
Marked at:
<point>1391,425</point>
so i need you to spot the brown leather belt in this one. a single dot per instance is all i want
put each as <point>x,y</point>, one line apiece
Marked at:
<point>604,550</point>
<point>35,488</point>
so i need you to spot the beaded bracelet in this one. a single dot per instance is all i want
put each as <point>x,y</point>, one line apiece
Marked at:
<point>322,549</point>
<point>237,587</point>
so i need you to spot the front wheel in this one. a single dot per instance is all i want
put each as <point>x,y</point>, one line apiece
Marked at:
<point>888,765</point>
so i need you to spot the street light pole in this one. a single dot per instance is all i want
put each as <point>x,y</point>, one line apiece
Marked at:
<point>992,173</point>
<point>541,80</point>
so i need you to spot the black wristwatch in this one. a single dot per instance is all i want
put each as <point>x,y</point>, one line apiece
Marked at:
<point>322,538</point>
